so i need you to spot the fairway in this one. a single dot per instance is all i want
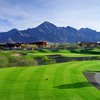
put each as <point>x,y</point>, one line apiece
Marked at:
<point>64,81</point>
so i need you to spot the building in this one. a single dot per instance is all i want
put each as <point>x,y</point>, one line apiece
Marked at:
<point>39,44</point>
<point>88,44</point>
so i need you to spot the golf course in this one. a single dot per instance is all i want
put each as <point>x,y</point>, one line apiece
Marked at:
<point>63,81</point>
<point>49,49</point>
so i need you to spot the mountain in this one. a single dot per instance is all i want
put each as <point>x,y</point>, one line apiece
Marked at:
<point>50,32</point>
<point>89,35</point>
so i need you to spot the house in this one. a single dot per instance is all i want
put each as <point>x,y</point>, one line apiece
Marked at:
<point>10,45</point>
<point>88,44</point>
<point>39,44</point>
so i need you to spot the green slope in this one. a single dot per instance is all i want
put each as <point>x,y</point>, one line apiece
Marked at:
<point>63,81</point>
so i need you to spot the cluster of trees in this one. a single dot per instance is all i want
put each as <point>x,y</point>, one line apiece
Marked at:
<point>50,46</point>
<point>64,46</point>
<point>27,46</point>
<point>22,47</point>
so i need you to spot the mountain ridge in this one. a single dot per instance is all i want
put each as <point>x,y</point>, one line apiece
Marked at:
<point>47,31</point>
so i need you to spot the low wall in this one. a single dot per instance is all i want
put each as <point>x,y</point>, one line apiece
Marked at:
<point>67,59</point>
<point>61,59</point>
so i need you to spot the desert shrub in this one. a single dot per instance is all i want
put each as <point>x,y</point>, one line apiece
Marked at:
<point>65,46</point>
<point>21,61</point>
<point>46,60</point>
<point>4,62</point>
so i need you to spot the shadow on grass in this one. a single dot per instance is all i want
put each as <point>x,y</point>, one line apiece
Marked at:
<point>85,52</point>
<point>73,85</point>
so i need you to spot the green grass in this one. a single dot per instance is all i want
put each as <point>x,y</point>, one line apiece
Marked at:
<point>65,82</point>
<point>43,52</point>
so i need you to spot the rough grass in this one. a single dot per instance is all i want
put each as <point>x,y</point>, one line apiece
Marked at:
<point>29,57</point>
<point>63,81</point>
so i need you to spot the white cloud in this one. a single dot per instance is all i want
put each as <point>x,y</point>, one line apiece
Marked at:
<point>29,13</point>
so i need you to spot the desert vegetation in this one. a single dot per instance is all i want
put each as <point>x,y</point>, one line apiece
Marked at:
<point>19,58</point>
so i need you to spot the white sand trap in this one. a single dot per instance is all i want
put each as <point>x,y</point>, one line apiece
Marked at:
<point>17,54</point>
<point>97,78</point>
<point>93,78</point>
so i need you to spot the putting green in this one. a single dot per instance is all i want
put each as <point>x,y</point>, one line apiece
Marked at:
<point>63,81</point>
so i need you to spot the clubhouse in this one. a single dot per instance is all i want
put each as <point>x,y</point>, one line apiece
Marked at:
<point>10,46</point>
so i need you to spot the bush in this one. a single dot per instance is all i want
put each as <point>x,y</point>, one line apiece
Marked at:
<point>4,62</point>
<point>21,61</point>
<point>47,60</point>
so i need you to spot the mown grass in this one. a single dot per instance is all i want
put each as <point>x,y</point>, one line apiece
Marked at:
<point>64,81</point>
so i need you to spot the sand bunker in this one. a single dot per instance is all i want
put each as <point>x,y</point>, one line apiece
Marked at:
<point>93,78</point>
<point>17,54</point>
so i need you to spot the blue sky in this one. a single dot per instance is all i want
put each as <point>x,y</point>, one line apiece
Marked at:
<point>23,14</point>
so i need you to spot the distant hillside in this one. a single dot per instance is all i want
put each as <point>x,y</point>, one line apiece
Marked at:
<point>49,32</point>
